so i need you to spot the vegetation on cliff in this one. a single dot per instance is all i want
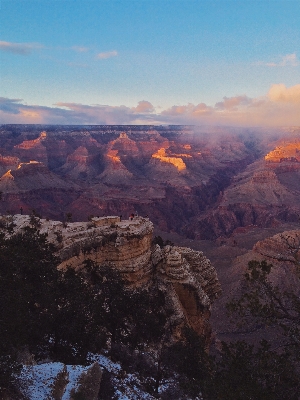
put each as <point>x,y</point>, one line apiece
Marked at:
<point>66,315</point>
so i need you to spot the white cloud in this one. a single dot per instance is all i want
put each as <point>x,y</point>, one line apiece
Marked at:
<point>232,103</point>
<point>143,107</point>
<point>19,48</point>
<point>289,60</point>
<point>107,54</point>
<point>280,93</point>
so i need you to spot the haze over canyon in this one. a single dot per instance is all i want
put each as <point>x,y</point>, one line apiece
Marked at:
<point>202,183</point>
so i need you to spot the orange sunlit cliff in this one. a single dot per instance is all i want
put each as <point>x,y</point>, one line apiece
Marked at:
<point>28,144</point>
<point>285,152</point>
<point>177,162</point>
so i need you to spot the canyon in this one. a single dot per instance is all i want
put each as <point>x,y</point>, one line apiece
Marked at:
<point>220,196</point>
<point>200,183</point>
<point>213,189</point>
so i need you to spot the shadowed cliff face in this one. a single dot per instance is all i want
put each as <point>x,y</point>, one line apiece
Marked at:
<point>201,184</point>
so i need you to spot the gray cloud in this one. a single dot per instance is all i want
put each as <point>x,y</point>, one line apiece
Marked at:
<point>9,106</point>
<point>13,111</point>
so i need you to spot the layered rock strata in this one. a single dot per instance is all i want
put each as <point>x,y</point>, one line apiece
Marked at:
<point>186,276</point>
<point>171,173</point>
<point>283,252</point>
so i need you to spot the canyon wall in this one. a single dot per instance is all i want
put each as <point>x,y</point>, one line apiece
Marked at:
<point>187,277</point>
<point>202,183</point>
<point>171,174</point>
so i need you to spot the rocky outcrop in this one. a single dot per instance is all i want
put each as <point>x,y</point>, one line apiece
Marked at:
<point>283,252</point>
<point>8,163</point>
<point>186,276</point>
<point>286,151</point>
<point>191,283</point>
<point>28,176</point>
<point>33,149</point>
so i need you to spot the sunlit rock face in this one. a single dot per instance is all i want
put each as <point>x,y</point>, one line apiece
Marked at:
<point>7,163</point>
<point>186,276</point>
<point>33,149</point>
<point>176,161</point>
<point>285,152</point>
<point>167,173</point>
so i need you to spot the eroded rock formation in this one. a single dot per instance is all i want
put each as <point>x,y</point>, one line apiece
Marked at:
<point>266,194</point>
<point>283,252</point>
<point>170,173</point>
<point>186,276</point>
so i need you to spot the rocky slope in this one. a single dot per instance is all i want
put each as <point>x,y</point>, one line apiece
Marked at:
<point>282,250</point>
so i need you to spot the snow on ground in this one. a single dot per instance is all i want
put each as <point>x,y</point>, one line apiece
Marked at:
<point>106,363</point>
<point>37,381</point>
<point>127,388</point>
<point>75,372</point>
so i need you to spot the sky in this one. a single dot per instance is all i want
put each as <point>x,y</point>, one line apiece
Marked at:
<point>199,62</point>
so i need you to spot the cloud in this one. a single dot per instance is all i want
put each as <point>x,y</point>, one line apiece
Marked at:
<point>9,105</point>
<point>187,111</point>
<point>80,49</point>
<point>280,93</point>
<point>232,103</point>
<point>279,107</point>
<point>19,48</point>
<point>143,107</point>
<point>13,111</point>
<point>107,54</point>
<point>289,60</point>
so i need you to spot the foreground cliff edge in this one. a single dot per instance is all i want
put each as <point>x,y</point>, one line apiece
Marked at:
<point>186,276</point>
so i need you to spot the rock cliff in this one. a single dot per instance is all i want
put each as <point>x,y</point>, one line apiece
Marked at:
<point>186,276</point>
<point>282,251</point>
<point>265,194</point>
